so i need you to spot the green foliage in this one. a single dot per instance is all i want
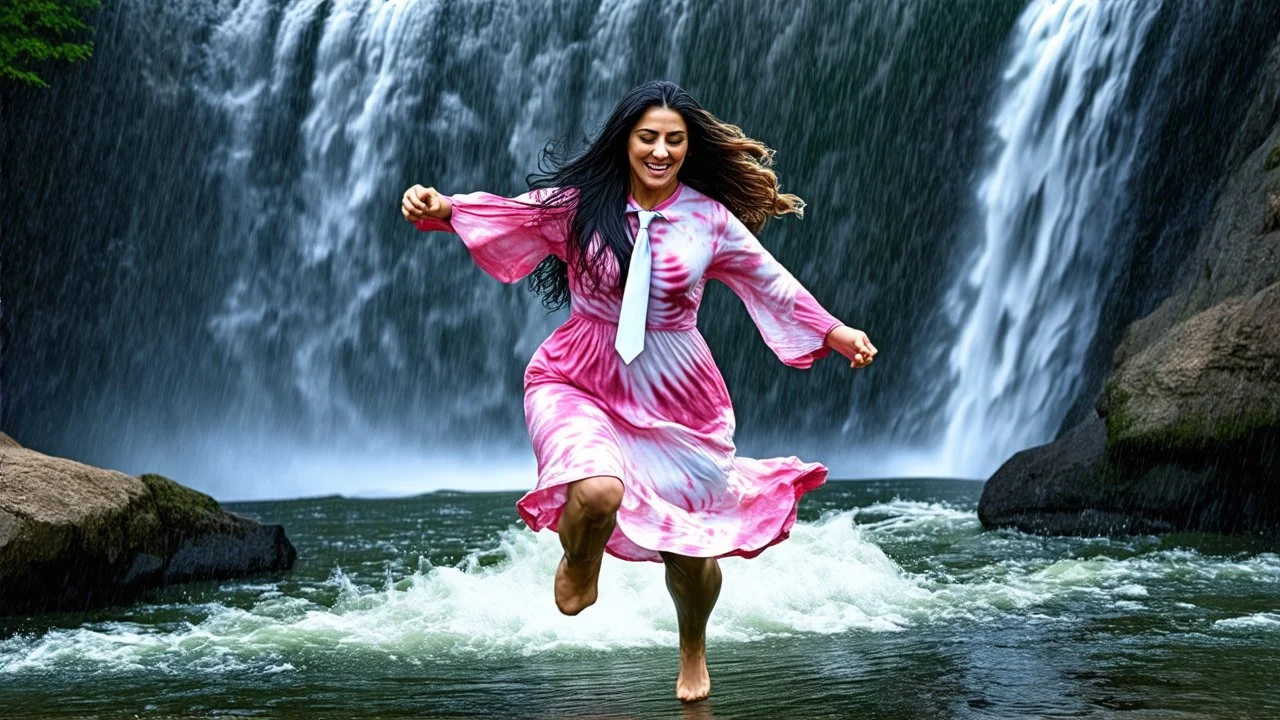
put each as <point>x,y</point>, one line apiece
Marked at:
<point>39,31</point>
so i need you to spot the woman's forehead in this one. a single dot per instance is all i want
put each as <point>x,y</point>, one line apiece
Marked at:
<point>660,119</point>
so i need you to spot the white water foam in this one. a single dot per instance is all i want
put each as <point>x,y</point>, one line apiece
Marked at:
<point>831,577</point>
<point>1256,621</point>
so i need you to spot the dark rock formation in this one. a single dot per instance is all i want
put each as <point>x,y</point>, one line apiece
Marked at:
<point>1187,430</point>
<point>74,536</point>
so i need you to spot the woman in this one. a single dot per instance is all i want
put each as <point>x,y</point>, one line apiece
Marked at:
<point>628,414</point>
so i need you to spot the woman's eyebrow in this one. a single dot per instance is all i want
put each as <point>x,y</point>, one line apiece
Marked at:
<point>655,132</point>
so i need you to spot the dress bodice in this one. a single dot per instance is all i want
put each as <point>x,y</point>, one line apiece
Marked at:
<point>696,238</point>
<point>681,248</point>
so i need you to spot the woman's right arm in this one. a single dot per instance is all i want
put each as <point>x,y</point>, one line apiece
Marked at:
<point>507,237</point>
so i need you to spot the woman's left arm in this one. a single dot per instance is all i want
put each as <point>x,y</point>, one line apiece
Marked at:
<point>791,321</point>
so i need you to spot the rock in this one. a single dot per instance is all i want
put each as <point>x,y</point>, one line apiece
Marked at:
<point>1208,382</point>
<point>1050,489</point>
<point>1187,439</point>
<point>73,536</point>
<point>1072,486</point>
<point>1232,258</point>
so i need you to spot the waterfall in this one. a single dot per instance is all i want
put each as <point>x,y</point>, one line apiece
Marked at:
<point>1027,301</point>
<point>371,93</point>
<point>237,303</point>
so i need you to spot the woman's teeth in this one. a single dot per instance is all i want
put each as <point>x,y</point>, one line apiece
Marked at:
<point>657,168</point>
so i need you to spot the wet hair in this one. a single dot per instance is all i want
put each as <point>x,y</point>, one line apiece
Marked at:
<point>720,162</point>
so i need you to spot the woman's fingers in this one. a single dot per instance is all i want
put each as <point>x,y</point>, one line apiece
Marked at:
<point>418,201</point>
<point>863,351</point>
<point>411,212</point>
<point>864,344</point>
<point>413,196</point>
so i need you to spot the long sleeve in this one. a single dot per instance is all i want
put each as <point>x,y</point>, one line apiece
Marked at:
<point>790,320</point>
<point>507,237</point>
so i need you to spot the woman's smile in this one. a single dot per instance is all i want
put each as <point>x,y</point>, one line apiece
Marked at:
<point>658,170</point>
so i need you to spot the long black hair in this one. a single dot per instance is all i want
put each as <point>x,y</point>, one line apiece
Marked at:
<point>720,162</point>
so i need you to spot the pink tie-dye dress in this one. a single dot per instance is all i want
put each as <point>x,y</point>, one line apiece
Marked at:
<point>664,423</point>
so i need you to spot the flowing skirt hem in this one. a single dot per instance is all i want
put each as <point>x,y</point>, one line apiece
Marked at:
<point>635,540</point>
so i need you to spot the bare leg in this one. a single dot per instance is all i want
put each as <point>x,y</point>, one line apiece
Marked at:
<point>590,514</point>
<point>694,584</point>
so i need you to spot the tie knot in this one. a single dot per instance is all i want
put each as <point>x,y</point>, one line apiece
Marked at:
<point>646,217</point>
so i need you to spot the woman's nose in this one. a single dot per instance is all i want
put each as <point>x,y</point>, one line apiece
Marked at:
<point>660,150</point>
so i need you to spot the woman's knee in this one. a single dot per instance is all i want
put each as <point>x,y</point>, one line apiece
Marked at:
<point>687,566</point>
<point>599,496</point>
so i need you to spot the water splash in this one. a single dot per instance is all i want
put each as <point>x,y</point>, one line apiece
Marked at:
<point>833,576</point>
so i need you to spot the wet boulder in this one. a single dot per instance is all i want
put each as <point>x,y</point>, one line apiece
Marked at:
<point>1187,438</point>
<point>73,536</point>
<point>1210,382</point>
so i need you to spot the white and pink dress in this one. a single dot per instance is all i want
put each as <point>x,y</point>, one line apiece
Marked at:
<point>664,423</point>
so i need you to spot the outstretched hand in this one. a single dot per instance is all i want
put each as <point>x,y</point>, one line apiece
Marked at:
<point>853,344</point>
<point>419,202</point>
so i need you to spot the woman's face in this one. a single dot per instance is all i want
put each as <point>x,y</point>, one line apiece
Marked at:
<point>656,149</point>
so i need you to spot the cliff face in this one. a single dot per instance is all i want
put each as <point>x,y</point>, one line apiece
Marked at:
<point>1186,433</point>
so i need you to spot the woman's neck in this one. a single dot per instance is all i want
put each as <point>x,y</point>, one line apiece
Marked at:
<point>648,199</point>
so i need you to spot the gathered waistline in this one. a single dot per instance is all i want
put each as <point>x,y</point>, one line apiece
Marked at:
<point>649,327</point>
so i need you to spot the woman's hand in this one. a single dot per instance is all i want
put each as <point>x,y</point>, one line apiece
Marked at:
<point>419,202</point>
<point>853,344</point>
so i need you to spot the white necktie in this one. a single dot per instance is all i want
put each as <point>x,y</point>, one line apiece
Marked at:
<point>635,296</point>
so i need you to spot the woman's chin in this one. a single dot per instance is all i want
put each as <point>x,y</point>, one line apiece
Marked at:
<point>657,185</point>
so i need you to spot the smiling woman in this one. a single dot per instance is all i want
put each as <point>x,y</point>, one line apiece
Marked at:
<point>635,447</point>
<point>656,148</point>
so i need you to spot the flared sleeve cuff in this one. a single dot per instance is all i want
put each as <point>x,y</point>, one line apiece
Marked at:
<point>810,315</point>
<point>790,320</point>
<point>506,237</point>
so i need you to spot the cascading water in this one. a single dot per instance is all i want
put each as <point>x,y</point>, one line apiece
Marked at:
<point>1027,302</point>
<point>364,102</point>
<point>235,300</point>
<point>287,333</point>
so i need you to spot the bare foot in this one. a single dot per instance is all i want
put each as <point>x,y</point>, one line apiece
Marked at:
<point>694,683</point>
<point>576,584</point>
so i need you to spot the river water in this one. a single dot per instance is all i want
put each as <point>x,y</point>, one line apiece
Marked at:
<point>888,601</point>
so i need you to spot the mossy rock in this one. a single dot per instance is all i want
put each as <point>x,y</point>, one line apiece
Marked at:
<point>1273,159</point>
<point>73,536</point>
<point>185,510</point>
<point>1113,403</point>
